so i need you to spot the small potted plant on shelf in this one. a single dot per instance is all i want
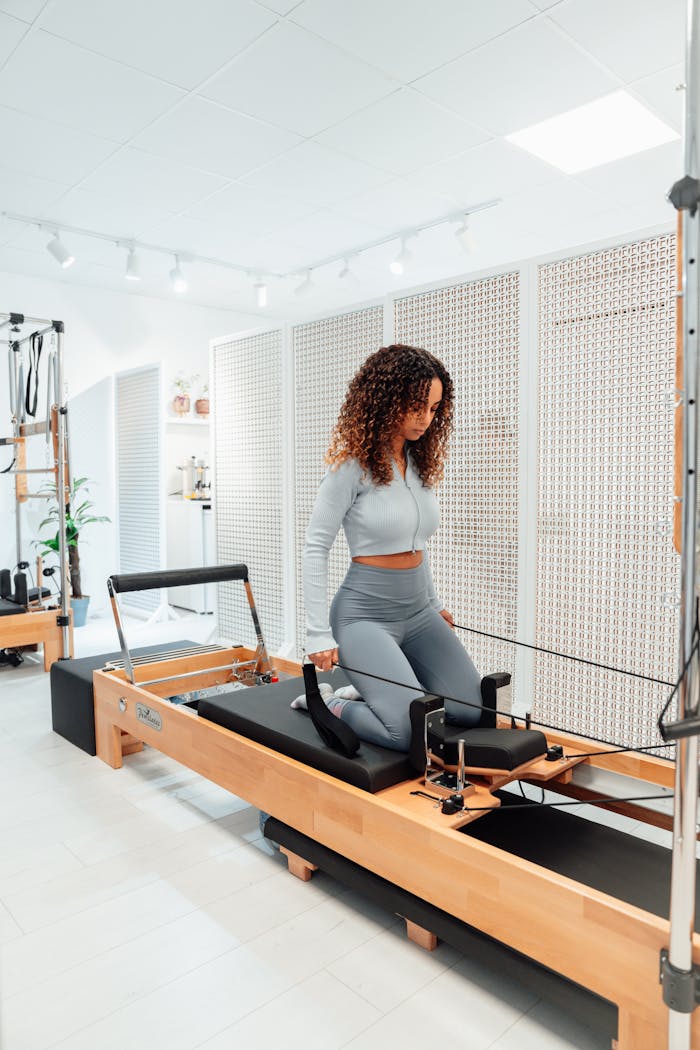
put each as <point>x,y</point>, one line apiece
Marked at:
<point>201,405</point>
<point>181,401</point>
<point>78,515</point>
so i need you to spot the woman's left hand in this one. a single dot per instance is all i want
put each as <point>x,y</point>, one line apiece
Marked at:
<point>448,618</point>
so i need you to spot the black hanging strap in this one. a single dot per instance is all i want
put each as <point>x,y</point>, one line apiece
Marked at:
<point>36,343</point>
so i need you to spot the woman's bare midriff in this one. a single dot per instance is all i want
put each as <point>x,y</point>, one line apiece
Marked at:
<point>404,560</point>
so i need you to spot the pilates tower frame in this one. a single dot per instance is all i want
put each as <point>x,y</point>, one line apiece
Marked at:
<point>679,978</point>
<point>40,626</point>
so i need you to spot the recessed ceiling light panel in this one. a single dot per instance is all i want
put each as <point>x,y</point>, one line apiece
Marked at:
<point>608,129</point>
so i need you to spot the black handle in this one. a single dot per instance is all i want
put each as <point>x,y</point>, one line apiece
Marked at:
<point>149,581</point>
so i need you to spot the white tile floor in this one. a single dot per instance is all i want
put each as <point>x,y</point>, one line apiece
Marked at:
<point>140,908</point>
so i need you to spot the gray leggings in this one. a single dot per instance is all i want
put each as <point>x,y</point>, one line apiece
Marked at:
<point>384,624</point>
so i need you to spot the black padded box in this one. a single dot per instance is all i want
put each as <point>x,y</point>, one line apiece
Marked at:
<point>72,710</point>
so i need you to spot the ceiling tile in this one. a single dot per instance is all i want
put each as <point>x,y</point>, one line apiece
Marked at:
<point>661,92</point>
<point>632,37</point>
<point>215,240</point>
<point>109,215</point>
<point>316,174</point>
<point>176,40</point>
<point>272,255</point>
<point>215,139</point>
<point>11,32</point>
<point>27,10</point>
<point>395,206</point>
<point>484,172</point>
<point>529,74</point>
<point>641,181</point>
<point>559,204</point>
<point>27,194</point>
<point>280,7</point>
<point>81,90</point>
<point>400,132</point>
<point>296,81</point>
<point>41,146</point>
<point>249,210</point>
<point>219,241</point>
<point>9,230</point>
<point>135,176</point>
<point>408,38</point>
<point>325,233</point>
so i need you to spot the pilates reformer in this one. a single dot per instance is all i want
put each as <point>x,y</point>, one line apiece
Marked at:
<point>32,616</point>
<point>437,862</point>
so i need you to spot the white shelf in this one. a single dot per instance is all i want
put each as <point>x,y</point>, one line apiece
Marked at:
<point>186,421</point>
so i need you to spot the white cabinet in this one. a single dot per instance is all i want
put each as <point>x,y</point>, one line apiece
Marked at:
<point>191,543</point>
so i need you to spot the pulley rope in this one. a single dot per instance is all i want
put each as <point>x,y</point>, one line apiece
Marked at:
<point>508,714</point>
<point>564,656</point>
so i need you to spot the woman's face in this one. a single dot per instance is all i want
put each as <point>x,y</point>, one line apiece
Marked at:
<point>415,423</point>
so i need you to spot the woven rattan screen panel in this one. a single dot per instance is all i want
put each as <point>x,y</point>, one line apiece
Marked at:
<point>605,564</point>
<point>248,482</point>
<point>327,354</point>
<point>474,329</point>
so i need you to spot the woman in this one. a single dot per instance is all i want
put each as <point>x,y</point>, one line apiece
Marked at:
<point>387,452</point>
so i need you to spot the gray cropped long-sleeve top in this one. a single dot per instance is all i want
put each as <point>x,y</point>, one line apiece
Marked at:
<point>376,519</point>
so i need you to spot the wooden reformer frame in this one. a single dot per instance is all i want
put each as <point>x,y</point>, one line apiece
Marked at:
<point>595,940</point>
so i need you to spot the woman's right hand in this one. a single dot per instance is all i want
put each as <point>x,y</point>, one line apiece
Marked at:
<point>325,659</point>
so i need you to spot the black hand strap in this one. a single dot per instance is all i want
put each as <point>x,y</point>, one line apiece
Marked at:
<point>334,732</point>
<point>36,343</point>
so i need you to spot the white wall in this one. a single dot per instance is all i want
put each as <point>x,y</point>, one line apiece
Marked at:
<point>106,332</point>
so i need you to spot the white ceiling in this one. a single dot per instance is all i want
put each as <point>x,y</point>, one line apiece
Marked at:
<point>276,134</point>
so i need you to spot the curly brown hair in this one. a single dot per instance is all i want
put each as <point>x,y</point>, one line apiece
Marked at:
<point>393,381</point>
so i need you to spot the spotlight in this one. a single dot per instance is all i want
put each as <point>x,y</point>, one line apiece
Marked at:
<point>133,267</point>
<point>399,264</point>
<point>177,279</point>
<point>306,286</point>
<point>466,237</point>
<point>57,248</point>
<point>260,293</point>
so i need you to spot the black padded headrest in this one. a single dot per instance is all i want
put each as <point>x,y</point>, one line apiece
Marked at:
<point>333,732</point>
<point>495,748</point>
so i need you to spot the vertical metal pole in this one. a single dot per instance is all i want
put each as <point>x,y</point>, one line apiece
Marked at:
<point>61,483</point>
<point>16,396</point>
<point>116,612</point>
<point>686,776</point>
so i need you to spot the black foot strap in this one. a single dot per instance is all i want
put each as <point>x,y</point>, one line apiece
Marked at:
<point>332,730</point>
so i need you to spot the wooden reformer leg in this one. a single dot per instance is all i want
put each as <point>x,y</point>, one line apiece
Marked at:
<point>130,745</point>
<point>420,936</point>
<point>297,866</point>
<point>108,742</point>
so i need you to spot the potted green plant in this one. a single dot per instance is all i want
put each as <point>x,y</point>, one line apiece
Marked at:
<point>201,405</point>
<point>181,401</point>
<point>78,515</point>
